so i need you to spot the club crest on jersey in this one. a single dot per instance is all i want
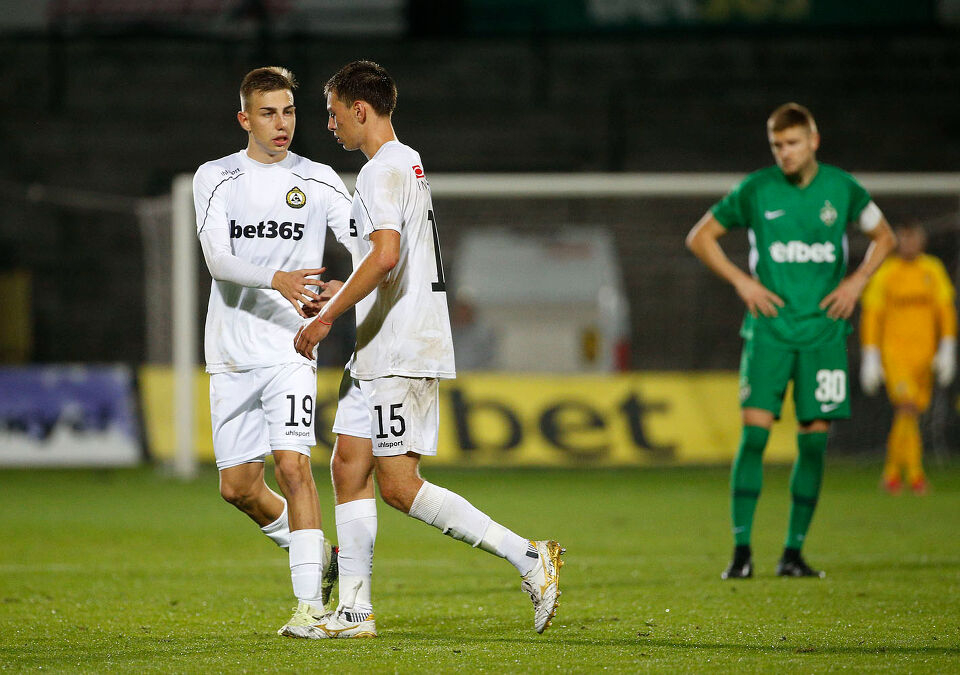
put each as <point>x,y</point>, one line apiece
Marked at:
<point>418,171</point>
<point>828,214</point>
<point>296,199</point>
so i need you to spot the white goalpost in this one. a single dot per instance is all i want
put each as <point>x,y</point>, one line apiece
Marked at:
<point>471,186</point>
<point>184,324</point>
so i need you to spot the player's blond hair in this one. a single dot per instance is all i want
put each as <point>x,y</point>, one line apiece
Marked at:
<point>791,115</point>
<point>263,80</point>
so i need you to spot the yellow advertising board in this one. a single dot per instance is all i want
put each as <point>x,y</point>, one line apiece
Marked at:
<point>495,419</point>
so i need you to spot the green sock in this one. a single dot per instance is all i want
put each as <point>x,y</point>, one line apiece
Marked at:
<point>746,479</point>
<point>805,485</point>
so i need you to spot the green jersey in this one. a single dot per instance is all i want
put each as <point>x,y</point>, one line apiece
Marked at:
<point>798,247</point>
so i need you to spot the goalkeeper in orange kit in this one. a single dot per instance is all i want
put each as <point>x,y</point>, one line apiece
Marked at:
<point>909,335</point>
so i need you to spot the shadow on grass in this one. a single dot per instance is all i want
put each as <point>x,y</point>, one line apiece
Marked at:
<point>562,640</point>
<point>804,649</point>
<point>906,565</point>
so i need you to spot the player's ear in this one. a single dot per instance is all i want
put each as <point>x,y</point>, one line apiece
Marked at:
<point>815,140</point>
<point>360,111</point>
<point>243,119</point>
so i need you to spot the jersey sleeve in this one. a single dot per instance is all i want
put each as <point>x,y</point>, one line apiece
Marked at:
<point>946,309</point>
<point>944,287</point>
<point>338,209</point>
<point>382,197</point>
<point>732,210</point>
<point>209,197</point>
<point>224,266</point>
<point>209,200</point>
<point>859,200</point>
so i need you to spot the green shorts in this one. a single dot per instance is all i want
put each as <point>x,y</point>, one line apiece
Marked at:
<point>820,381</point>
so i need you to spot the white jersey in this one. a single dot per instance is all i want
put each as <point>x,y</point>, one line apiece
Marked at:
<point>403,326</point>
<point>254,219</point>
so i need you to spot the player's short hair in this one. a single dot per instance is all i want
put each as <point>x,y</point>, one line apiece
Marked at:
<point>364,81</point>
<point>263,80</point>
<point>791,115</point>
<point>912,225</point>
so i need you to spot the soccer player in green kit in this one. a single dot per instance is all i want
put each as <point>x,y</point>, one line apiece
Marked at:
<point>798,300</point>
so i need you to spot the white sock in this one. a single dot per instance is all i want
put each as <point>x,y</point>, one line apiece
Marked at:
<point>458,518</point>
<point>520,552</point>
<point>306,565</point>
<point>279,530</point>
<point>356,534</point>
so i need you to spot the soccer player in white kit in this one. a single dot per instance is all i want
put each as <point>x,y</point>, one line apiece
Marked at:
<point>261,211</point>
<point>404,348</point>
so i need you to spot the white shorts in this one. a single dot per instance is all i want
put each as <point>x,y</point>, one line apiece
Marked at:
<point>404,414</point>
<point>353,413</point>
<point>257,411</point>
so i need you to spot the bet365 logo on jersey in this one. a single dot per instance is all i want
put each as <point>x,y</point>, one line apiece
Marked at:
<point>267,229</point>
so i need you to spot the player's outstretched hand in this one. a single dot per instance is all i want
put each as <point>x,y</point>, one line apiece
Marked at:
<point>293,287</point>
<point>757,297</point>
<point>328,289</point>
<point>840,303</point>
<point>309,336</point>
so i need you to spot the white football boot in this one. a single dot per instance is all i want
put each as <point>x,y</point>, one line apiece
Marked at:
<point>542,583</point>
<point>306,616</point>
<point>301,624</point>
<point>345,623</point>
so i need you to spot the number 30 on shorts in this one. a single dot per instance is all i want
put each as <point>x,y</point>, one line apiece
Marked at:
<point>832,386</point>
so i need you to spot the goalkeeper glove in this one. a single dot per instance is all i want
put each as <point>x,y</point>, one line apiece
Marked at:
<point>871,370</point>
<point>945,361</point>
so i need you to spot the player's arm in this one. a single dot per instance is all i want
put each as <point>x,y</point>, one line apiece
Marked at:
<point>214,235</point>
<point>702,240</point>
<point>382,257</point>
<point>337,212</point>
<point>840,303</point>
<point>224,266</point>
<point>945,360</point>
<point>871,319</point>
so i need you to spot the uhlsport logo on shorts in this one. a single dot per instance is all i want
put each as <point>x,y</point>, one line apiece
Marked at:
<point>295,198</point>
<point>801,252</point>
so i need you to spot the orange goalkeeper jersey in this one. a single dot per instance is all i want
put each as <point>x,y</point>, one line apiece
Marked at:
<point>907,307</point>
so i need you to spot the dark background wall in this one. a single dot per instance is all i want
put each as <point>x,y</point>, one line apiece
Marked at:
<point>120,114</point>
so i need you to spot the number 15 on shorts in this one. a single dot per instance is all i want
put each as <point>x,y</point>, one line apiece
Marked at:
<point>396,426</point>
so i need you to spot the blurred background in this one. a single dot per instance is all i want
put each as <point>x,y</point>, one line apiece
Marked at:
<point>570,145</point>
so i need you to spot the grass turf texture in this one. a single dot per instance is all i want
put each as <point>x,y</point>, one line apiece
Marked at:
<point>107,571</point>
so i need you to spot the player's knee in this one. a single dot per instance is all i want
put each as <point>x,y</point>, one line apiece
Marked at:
<point>389,492</point>
<point>815,427</point>
<point>344,466</point>
<point>293,473</point>
<point>341,464</point>
<point>236,494</point>
<point>907,408</point>
<point>396,492</point>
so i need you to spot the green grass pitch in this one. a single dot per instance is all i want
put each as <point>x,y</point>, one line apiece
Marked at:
<point>127,571</point>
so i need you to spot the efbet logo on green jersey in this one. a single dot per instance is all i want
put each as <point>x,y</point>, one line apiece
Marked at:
<point>801,252</point>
